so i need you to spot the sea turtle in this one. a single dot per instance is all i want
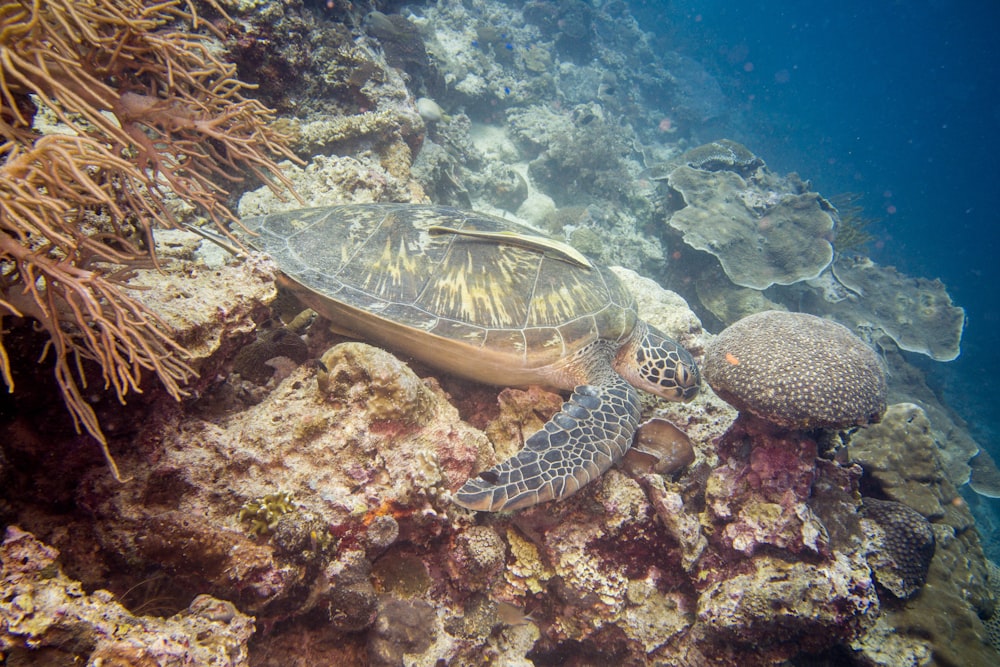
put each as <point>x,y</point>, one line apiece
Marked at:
<point>490,300</point>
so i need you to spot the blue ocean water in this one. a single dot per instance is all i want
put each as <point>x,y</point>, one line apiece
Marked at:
<point>897,101</point>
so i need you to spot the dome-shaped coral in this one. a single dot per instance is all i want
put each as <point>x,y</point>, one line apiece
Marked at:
<point>797,371</point>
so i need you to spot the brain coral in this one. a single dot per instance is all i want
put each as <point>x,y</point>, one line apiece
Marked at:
<point>901,543</point>
<point>797,371</point>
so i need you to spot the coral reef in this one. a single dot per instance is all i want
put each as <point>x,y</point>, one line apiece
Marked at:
<point>358,374</point>
<point>347,102</point>
<point>181,294</point>
<point>46,616</point>
<point>955,446</point>
<point>160,113</point>
<point>761,235</point>
<point>917,314</point>
<point>900,457</point>
<point>354,472</point>
<point>334,180</point>
<point>781,608</point>
<point>402,45</point>
<point>758,498</point>
<point>901,463</point>
<point>771,492</point>
<point>583,147</point>
<point>748,555</point>
<point>772,232</point>
<point>797,371</point>
<point>377,480</point>
<point>901,545</point>
<point>318,497</point>
<point>785,568</point>
<point>585,152</point>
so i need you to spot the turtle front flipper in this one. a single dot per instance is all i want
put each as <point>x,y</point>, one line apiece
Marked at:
<point>593,429</point>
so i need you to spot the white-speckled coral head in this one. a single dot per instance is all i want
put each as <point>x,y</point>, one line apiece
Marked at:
<point>797,371</point>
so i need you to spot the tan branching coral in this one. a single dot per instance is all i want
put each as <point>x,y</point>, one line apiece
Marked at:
<point>146,110</point>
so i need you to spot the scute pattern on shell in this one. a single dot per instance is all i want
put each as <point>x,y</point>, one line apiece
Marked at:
<point>901,545</point>
<point>381,259</point>
<point>797,371</point>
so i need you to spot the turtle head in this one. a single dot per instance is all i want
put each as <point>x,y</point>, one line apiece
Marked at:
<point>654,363</point>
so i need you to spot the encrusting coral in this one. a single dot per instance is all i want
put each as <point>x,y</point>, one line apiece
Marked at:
<point>146,111</point>
<point>903,545</point>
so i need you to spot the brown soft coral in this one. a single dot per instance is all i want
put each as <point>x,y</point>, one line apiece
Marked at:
<point>147,111</point>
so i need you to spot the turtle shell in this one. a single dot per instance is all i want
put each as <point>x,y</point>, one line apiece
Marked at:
<point>487,309</point>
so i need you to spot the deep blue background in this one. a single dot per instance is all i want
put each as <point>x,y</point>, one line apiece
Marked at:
<point>897,101</point>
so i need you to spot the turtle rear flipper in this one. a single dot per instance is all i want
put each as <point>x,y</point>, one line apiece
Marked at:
<point>593,429</point>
